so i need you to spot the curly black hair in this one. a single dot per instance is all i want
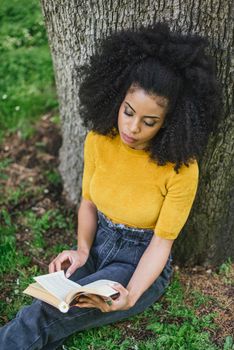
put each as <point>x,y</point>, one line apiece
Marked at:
<point>164,63</point>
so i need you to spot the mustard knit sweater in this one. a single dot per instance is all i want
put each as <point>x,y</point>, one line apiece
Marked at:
<point>129,188</point>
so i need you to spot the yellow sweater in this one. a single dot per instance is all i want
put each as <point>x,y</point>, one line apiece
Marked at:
<point>130,189</point>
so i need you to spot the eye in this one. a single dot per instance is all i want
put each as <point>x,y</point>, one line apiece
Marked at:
<point>128,114</point>
<point>148,124</point>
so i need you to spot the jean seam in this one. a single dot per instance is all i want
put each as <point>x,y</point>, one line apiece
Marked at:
<point>104,245</point>
<point>137,251</point>
<point>106,259</point>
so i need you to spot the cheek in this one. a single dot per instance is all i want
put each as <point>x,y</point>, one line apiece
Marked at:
<point>151,133</point>
<point>120,124</point>
<point>120,118</point>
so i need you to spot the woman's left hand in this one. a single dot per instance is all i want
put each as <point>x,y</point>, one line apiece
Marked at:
<point>123,301</point>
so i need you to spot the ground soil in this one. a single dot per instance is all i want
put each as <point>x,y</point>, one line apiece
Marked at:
<point>30,160</point>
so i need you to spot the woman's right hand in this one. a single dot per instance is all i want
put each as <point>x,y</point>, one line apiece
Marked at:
<point>69,258</point>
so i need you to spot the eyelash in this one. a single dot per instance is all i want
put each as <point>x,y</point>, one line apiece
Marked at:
<point>130,115</point>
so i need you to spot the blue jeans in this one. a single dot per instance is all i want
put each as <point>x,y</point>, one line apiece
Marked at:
<point>114,255</point>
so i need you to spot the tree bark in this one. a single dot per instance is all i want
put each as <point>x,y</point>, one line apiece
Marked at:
<point>73,28</point>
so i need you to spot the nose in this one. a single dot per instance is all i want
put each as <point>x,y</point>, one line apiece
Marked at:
<point>134,126</point>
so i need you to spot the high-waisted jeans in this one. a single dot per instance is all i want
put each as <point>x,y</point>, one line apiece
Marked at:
<point>114,255</point>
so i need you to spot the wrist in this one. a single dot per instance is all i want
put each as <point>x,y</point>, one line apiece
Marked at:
<point>133,296</point>
<point>83,250</point>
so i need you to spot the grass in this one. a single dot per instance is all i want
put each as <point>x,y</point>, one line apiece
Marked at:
<point>26,74</point>
<point>225,270</point>
<point>19,261</point>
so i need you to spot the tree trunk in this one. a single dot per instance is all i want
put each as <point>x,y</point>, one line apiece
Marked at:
<point>73,28</point>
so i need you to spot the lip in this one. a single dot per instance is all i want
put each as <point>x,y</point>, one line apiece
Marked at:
<point>127,138</point>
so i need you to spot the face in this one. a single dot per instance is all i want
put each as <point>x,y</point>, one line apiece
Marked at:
<point>140,117</point>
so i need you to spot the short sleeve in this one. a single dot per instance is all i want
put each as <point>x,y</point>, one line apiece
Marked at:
<point>181,191</point>
<point>89,164</point>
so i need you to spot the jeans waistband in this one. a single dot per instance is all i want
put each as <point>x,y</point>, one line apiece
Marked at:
<point>130,232</point>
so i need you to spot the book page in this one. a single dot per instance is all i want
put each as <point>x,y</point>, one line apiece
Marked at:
<point>57,284</point>
<point>100,287</point>
<point>37,291</point>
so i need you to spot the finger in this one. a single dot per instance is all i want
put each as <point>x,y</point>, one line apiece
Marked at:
<point>61,258</point>
<point>105,305</point>
<point>51,267</point>
<point>86,302</point>
<point>57,264</point>
<point>103,308</point>
<point>94,297</point>
<point>94,301</point>
<point>72,269</point>
<point>121,289</point>
<point>85,305</point>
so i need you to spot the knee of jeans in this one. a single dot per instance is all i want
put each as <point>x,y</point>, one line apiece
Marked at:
<point>30,310</point>
<point>160,284</point>
<point>164,279</point>
<point>167,272</point>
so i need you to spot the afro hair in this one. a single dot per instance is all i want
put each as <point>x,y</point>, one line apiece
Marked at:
<point>161,62</point>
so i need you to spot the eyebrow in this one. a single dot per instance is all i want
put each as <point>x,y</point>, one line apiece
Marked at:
<point>146,116</point>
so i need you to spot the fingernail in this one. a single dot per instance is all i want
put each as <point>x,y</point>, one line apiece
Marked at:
<point>68,274</point>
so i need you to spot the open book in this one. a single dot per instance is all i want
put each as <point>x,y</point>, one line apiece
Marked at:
<point>56,290</point>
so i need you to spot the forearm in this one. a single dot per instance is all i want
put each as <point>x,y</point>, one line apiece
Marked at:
<point>87,225</point>
<point>149,267</point>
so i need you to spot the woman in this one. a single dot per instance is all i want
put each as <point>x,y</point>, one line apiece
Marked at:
<point>150,99</point>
